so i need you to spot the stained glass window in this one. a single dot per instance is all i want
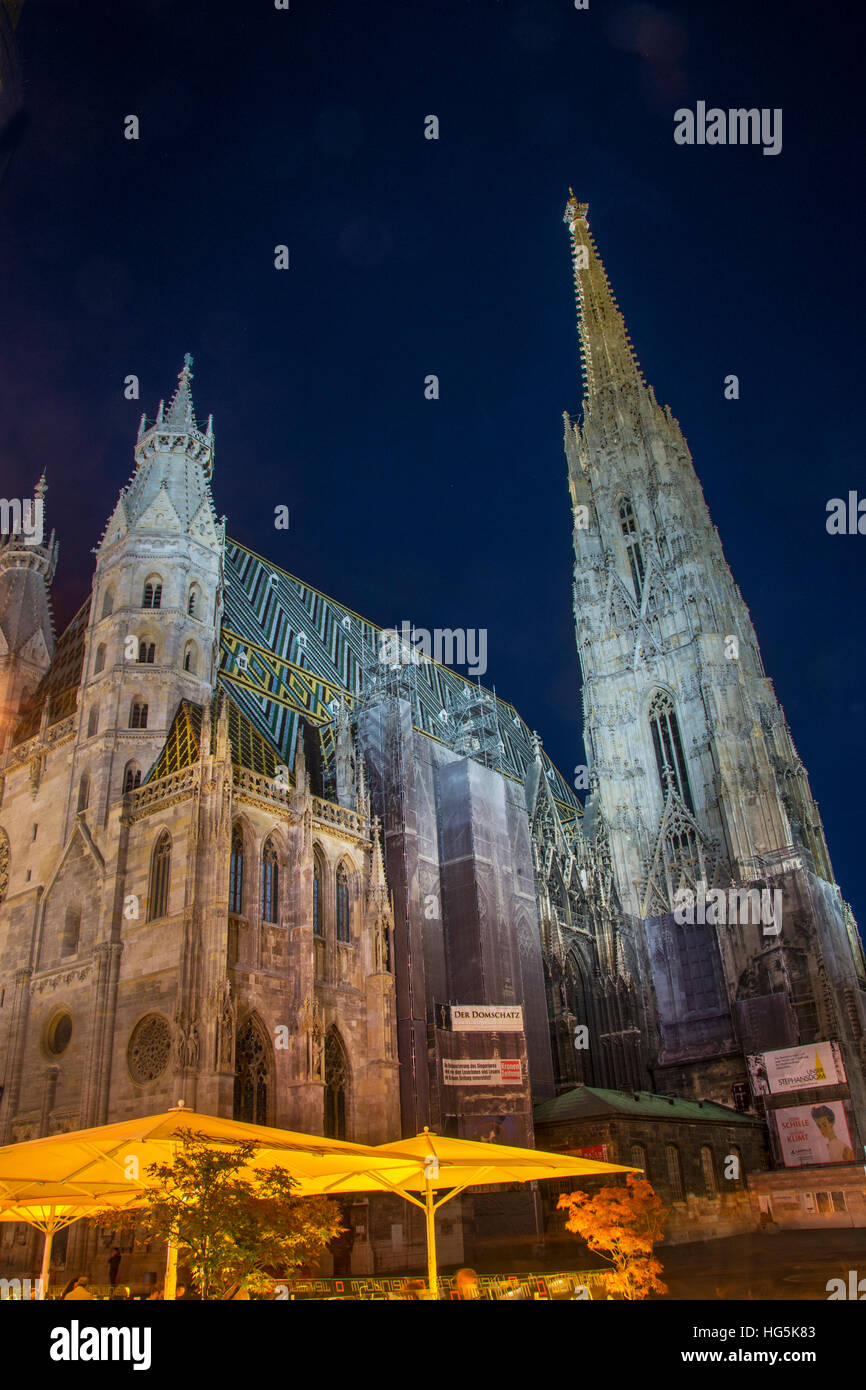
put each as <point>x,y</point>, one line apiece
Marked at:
<point>318,929</point>
<point>343,933</point>
<point>160,872</point>
<point>270,883</point>
<point>628,523</point>
<point>251,1075</point>
<point>668,747</point>
<point>336,1086</point>
<point>149,1048</point>
<point>236,872</point>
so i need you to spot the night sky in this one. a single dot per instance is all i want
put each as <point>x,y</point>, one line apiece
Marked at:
<point>411,256</point>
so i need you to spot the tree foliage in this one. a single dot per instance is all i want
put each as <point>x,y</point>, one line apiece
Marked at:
<point>229,1225</point>
<point>621,1224</point>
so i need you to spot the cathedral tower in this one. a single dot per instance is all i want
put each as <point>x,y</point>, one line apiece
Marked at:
<point>152,637</point>
<point>693,772</point>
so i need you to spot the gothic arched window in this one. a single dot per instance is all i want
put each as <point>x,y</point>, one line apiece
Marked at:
<point>108,603</point>
<point>71,931</point>
<point>638,1158</point>
<point>343,933</point>
<point>251,1075</point>
<point>99,663</point>
<point>83,792</point>
<point>131,777</point>
<point>152,595</point>
<point>146,652</point>
<point>318,928</point>
<point>93,721</point>
<point>675,1172</point>
<point>190,659</point>
<point>336,1086</point>
<point>668,748</point>
<point>236,872</point>
<point>160,873</point>
<point>628,522</point>
<point>192,604</point>
<point>138,715</point>
<point>270,883</point>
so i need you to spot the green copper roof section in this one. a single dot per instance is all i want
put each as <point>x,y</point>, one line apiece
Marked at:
<point>592,1102</point>
<point>288,652</point>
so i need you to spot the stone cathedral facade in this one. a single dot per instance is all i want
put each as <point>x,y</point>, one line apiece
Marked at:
<point>182,918</point>
<point>248,861</point>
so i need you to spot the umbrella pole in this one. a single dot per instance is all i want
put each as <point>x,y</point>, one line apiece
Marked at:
<point>170,1289</point>
<point>47,1243</point>
<point>430,1213</point>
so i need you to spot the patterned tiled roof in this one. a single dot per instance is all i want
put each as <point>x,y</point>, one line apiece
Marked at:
<point>291,652</point>
<point>183,743</point>
<point>60,683</point>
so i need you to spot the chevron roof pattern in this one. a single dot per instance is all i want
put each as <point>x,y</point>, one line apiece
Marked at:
<point>288,651</point>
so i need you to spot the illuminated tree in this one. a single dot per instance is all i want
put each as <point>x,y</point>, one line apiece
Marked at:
<point>232,1229</point>
<point>621,1224</point>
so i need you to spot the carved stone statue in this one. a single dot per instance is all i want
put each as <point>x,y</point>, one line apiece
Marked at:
<point>225,1026</point>
<point>193,1046</point>
<point>311,1024</point>
<point>317,1044</point>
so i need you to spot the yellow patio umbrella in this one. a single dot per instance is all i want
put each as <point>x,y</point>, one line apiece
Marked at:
<point>97,1168</point>
<point>55,1209</point>
<point>430,1163</point>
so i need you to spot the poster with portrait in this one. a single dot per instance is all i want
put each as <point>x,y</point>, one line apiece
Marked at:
<point>813,1134</point>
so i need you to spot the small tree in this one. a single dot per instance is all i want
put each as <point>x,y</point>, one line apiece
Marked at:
<point>234,1229</point>
<point>621,1224</point>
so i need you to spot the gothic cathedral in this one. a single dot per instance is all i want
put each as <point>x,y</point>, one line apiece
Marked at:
<point>248,861</point>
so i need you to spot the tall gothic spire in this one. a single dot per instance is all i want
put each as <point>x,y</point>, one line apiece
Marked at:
<point>608,359</point>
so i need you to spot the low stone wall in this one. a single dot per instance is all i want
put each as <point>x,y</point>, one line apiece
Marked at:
<point>804,1198</point>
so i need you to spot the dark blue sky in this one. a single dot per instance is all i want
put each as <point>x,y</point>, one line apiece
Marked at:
<point>411,257</point>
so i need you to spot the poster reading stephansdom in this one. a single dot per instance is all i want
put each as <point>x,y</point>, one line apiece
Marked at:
<point>814,1134</point>
<point>798,1068</point>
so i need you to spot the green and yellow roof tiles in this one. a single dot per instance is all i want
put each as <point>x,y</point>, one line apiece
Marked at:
<point>290,652</point>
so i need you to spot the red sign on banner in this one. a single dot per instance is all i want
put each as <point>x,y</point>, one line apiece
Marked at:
<point>510,1069</point>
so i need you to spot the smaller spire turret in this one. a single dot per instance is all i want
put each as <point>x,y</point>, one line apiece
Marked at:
<point>176,428</point>
<point>28,560</point>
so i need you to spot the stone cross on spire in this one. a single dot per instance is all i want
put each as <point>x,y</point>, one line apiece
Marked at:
<point>608,359</point>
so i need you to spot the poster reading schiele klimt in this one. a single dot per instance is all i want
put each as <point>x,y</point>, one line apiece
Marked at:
<point>814,1134</point>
